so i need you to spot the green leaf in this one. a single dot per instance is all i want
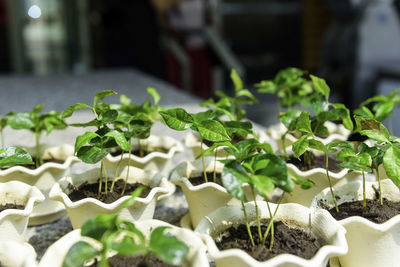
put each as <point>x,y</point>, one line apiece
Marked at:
<point>100,95</point>
<point>213,131</point>
<point>303,183</point>
<point>94,122</point>
<point>84,139</point>
<point>120,139</point>
<point>391,163</point>
<point>92,154</point>
<point>71,109</point>
<point>289,118</point>
<point>266,87</point>
<point>233,177</point>
<point>373,129</point>
<point>300,146</point>
<point>204,115</point>
<point>37,109</point>
<point>177,119</point>
<point>364,112</point>
<point>303,122</point>
<point>383,110</point>
<point>108,116</point>
<point>318,145</point>
<point>345,153</point>
<point>129,202</point>
<point>263,184</point>
<point>21,120</point>
<point>79,253</point>
<point>124,100</point>
<point>96,227</point>
<point>321,86</point>
<point>12,156</point>
<point>156,96</point>
<point>344,114</point>
<point>167,247</point>
<point>128,247</point>
<point>237,81</point>
<point>275,170</point>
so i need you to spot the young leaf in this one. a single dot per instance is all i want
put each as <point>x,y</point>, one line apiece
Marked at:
<point>236,80</point>
<point>391,163</point>
<point>71,109</point>
<point>92,154</point>
<point>262,184</point>
<point>119,138</point>
<point>125,101</point>
<point>129,202</point>
<point>321,86</point>
<point>84,140</point>
<point>100,95</point>
<point>233,177</point>
<point>289,118</point>
<point>79,253</point>
<point>12,156</point>
<point>96,227</point>
<point>300,146</point>
<point>128,247</point>
<point>21,120</point>
<point>167,247</point>
<point>373,129</point>
<point>303,122</point>
<point>156,96</point>
<point>177,119</point>
<point>213,131</point>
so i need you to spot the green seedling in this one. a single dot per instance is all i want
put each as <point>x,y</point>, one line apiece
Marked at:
<point>113,234</point>
<point>208,129</point>
<point>93,147</point>
<point>3,124</point>
<point>12,156</point>
<point>37,122</point>
<point>231,106</point>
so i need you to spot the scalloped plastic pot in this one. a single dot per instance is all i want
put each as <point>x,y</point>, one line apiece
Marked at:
<point>13,222</point>
<point>337,133</point>
<point>370,244</point>
<point>84,209</point>
<point>204,198</point>
<point>320,223</point>
<point>44,178</point>
<point>157,161</point>
<point>196,257</point>
<point>26,256</point>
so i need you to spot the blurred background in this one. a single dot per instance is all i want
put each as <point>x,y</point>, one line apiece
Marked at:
<point>75,47</point>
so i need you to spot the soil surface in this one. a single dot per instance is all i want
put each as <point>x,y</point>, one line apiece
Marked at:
<point>316,162</point>
<point>91,190</point>
<point>286,240</point>
<point>375,212</point>
<point>210,177</point>
<point>119,261</point>
<point>33,166</point>
<point>136,152</point>
<point>11,206</point>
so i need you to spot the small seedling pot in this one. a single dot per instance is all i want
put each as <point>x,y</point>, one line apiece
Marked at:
<point>157,161</point>
<point>44,178</point>
<point>196,257</point>
<point>203,198</point>
<point>13,222</point>
<point>370,244</point>
<point>337,133</point>
<point>17,254</point>
<point>82,210</point>
<point>319,223</point>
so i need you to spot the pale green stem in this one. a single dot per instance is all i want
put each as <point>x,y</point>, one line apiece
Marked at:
<point>141,152</point>
<point>148,263</point>
<point>329,181</point>
<point>100,179</point>
<point>247,224</point>
<point>116,172</point>
<point>202,160</point>
<point>257,217</point>
<point>380,187</point>
<point>215,166</point>
<point>364,197</point>
<point>283,141</point>
<point>270,226</point>
<point>38,160</point>
<point>105,179</point>
<point>127,172</point>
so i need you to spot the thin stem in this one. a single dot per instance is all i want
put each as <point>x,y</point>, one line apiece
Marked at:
<point>38,159</point>
<point>247,224</point>
<point>106,178</point>
<point>141,151</point>
<point>283,141</point>
<point>257,217</point>
<point>148,263</point>
<point>380,187</point>
<point>129,162</point>
<point>116,172</point>
<point>100,179</point>
<point>364,197</point>
<point>215,166</point>
<point>330,184</point>
<point>202,160</point>
<point>270,227</point>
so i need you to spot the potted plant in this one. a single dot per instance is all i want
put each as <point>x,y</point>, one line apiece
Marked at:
<point>51,163</point>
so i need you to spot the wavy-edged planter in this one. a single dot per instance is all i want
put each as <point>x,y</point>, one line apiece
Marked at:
<point>206,197</point>
<point>155,160</point>
<point>337,133</point>
<point>17,254</point>
<point>43,178</point>
<point>13,222</point>
<point>196,257</point>
<point>318,176</point>
<point>82,210</point>
<point>370,244</point>
<point>319,223</point>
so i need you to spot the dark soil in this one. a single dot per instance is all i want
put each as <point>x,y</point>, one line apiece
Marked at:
<point>287,240</point>
<point>210,177</point>
<point>316,162</point>
<point>136,152</point>
<point>11,206</point>
<point>91,190</point>
<point>33,166</point>
<point>119,261</point>
<point>375,212</point>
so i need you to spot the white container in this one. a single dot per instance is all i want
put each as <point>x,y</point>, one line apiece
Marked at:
<point>82,210</point>
<point>196,257</point>
<point>13,222</point>
<point>320,223</point>
<point>370,244</point>
<point>44,178</point>
<point>156,161</point>
<point>15,254</point>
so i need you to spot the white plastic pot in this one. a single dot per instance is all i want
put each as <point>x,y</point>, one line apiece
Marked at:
<point>319,223</point>
<point>370,244</point>
<point>82,210</point>
<point>157,161</point>
<point>44,178</point>
<point>196,257</point>
<point>13,222</point>
<point>15,254</point>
